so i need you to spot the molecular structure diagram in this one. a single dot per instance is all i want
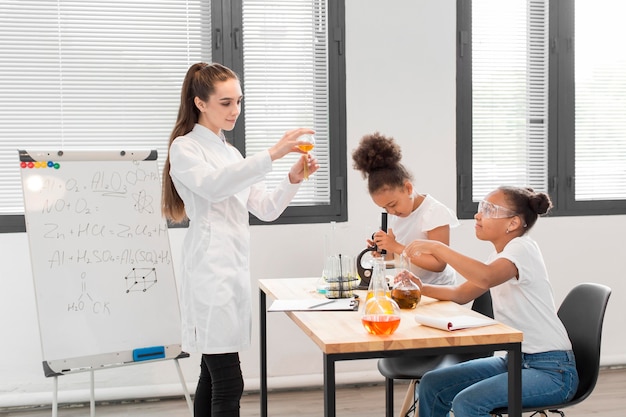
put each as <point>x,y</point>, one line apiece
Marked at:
<point>140,279</point>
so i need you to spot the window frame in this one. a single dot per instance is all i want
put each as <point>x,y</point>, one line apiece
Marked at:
<point>561,111</point>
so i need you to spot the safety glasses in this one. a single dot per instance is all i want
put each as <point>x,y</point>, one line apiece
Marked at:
<point>493,211</point>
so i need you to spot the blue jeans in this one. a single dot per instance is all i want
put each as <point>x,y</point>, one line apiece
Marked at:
<point>474,388</point>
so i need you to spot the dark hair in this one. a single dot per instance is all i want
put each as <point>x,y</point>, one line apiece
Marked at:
<point>527,203</point>
<point>378,158</point>
<point>199,82</point>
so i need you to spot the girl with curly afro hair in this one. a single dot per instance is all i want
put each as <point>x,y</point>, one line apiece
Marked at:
<point>411,215</point>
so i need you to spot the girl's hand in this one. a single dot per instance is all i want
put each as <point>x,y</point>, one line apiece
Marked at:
<point>296,173</point>
<point>289,143</point>
<point>386,241</point>
<point>408,274</point>
<point>420,246</point>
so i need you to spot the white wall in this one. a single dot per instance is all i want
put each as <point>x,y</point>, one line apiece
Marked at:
<point>401,82</point>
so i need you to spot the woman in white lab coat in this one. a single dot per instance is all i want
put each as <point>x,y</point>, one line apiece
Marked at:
<point>206,180</point>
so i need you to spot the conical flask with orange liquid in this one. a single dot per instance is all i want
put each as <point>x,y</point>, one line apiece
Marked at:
<point>381,313</point>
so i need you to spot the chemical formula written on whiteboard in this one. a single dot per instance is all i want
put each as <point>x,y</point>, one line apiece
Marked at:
<point>60,258</point>
<point>110,183</point>
<point>86,303</point>
<point>90,230</point>
<point>143,203</point>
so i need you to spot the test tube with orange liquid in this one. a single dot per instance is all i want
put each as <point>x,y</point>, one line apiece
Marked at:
<point>306,147</point>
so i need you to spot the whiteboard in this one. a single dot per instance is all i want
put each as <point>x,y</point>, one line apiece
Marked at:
<point>100,254</point>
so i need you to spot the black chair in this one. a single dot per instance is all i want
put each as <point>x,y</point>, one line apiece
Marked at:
<point>582,313</point>
<point>416,367</point>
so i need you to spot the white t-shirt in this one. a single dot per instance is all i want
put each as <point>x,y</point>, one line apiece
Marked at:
<point>527,303</point>
<point>428,216</point>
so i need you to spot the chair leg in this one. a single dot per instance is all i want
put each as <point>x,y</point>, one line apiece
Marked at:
<point>389,396</point>
<point>409,406</point>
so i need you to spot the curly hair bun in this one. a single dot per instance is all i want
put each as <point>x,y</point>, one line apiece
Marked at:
<point>540,203</point>
<point>376,152</point>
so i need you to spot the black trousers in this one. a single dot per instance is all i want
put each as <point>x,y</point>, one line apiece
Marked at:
<point>220,386</point>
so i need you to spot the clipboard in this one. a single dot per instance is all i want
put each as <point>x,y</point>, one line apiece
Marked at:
<point>315,304</point>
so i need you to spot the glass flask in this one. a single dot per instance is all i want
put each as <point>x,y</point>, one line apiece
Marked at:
<point>322,284</point>
<point>378,280</point>
<point>329,249</point>
<point>405,292</point>
<point>381,314</point>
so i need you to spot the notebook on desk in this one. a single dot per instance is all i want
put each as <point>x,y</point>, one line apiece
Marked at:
<point>454,322</point>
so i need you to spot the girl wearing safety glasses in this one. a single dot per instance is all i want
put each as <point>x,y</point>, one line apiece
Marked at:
<point>522,298</point>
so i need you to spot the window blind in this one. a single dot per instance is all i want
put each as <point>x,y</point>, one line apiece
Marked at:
<point>285,59</point>
<point>509,94</point>
<point>600,91</point>
<point>85,74</point>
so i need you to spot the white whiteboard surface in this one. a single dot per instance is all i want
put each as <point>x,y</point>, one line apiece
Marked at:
<point>100,254</point>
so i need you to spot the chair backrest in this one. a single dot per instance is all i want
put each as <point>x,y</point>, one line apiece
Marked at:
<point>483,304</point>
<point>582,313</point>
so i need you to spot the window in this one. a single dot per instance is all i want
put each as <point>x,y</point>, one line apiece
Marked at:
<point>538,109</point>
<point>290,53</point>
<point>85,75</point>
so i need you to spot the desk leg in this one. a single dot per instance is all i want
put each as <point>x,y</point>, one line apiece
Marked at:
<point>263,349</point>
<point>515,381</point>
<point>329,387</point>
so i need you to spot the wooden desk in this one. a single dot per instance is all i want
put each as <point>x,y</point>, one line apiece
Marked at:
<point>341,336</point>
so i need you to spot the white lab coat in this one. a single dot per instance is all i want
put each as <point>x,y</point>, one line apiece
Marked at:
<point>219,188</point>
